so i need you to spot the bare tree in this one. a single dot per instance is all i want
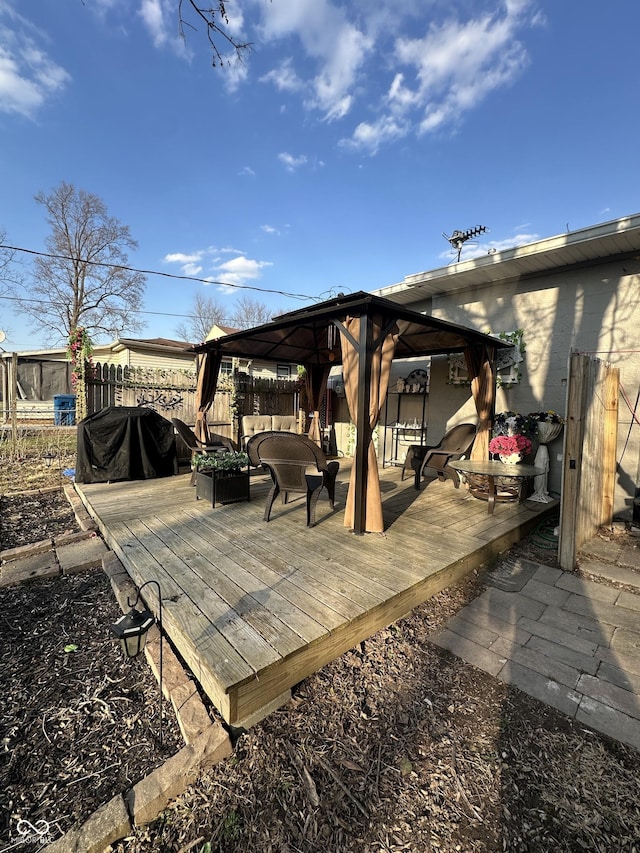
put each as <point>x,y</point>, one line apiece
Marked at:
<point>216,22</point>
<point>11,276</point>
<point>84,280</point>
<point>249,312</point>
<point>204,313</point>
<point>9,266</point>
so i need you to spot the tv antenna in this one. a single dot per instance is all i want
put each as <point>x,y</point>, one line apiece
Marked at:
<point>459,238</point>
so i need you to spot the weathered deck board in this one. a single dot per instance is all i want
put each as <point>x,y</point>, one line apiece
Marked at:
<point>241,582</point>
<point>255,607</point>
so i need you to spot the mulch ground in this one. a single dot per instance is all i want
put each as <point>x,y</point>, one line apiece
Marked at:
<point>395,746</point>
<point>78,723</point>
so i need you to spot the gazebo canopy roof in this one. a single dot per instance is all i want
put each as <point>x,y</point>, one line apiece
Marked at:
<point>306,336</point>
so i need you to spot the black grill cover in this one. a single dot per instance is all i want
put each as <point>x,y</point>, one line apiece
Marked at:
<point>125,443</point>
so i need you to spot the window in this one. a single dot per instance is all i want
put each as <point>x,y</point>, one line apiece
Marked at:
<point>284,371</point>
<point>226,367</point>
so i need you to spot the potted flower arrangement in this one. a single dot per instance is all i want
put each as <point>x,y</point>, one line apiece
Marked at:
<point>522,428</point>
<point>510,448</point>
<point>549,425</point>
<point>222,477</point>
<point>512,423</point>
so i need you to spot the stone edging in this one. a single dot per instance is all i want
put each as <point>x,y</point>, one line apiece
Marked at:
<point>207,743</point>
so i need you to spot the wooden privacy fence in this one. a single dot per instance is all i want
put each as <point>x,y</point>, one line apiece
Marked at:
<point>257,396</point>
<point>589,459</point>
<point>173,395</point>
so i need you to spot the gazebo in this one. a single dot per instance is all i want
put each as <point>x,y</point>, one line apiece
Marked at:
<point>364,333</point>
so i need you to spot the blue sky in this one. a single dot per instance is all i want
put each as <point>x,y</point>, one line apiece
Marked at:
<point>353,136</point>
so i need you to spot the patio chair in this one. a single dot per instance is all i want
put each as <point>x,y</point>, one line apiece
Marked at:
<point>254,442</point>
<point>456,444</point>
<point>197,447</point>
<point>296,464</point>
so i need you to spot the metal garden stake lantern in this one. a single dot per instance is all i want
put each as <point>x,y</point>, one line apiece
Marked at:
<point>48,458</point>
<point>132,629</point>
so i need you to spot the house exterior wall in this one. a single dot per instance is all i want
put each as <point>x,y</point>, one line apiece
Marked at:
<point>592,310</point>
<point>269,370</point>
<point>44,374</point>
<point>148,360</point>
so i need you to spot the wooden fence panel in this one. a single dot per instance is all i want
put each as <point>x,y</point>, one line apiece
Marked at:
<point>173,395</point>
<point>589,460</point>
<point>267,396</point>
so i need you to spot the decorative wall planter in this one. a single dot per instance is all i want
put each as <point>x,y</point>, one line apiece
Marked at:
<point>222,487</point>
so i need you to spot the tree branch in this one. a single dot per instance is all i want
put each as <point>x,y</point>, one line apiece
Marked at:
<point>214,30</point>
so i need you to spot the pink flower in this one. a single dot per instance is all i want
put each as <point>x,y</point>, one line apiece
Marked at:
<point>508,444</point>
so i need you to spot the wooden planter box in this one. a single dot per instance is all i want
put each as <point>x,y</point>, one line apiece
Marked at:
<point>222,487</point>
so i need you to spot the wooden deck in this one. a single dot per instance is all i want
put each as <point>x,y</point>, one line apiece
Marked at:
<point>254,608</point>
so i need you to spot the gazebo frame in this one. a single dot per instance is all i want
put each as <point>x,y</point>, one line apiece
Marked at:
<point>364,333</point>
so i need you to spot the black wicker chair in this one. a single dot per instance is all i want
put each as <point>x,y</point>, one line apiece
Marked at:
<point>433,460</point>
<point>253,444</point>
<point>296,464</point>
<point>197,447</point>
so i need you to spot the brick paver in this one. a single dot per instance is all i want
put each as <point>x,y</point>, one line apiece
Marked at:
<point>570,642</point>
<point>468,650</point>
<point>544,689</point>
<point>557,635</point>
<point>589,589</point>
<point>544,593</point>
<point>609,721</point>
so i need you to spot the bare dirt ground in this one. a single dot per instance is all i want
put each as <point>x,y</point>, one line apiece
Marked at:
<point>395,746</point>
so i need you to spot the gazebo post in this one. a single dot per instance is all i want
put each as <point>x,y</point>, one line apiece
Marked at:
<point>363,427</point>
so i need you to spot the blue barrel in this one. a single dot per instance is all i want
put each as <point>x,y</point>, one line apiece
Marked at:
<point>64,409</point>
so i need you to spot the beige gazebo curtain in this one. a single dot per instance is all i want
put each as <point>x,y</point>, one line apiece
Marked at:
<point>480,362</point>
<point>380,353</point>
<point>209,368</point>
<point>316,378</point>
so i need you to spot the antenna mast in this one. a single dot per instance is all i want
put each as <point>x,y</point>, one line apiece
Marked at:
<point>459,238</point>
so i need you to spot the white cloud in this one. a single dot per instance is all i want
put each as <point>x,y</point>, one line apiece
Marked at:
<point>269,229</point>
<point>520,239</point>
<point>153,17</point>
<point>390,69</point>
<point>456,64</point>
<point>337,47</point>
<point>369,136</point>
<point>290,162</point>
<point>159,18</point>
<point>238,270</point>
<point>181,258</point>
<point>284,77</point>
<point>435,78</point>
<point>29,78</point>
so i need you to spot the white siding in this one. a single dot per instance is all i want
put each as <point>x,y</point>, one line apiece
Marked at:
<point>594,310</point>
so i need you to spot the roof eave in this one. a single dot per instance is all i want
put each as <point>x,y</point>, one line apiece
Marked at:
<point>618,238</point>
